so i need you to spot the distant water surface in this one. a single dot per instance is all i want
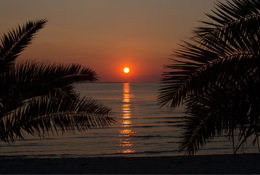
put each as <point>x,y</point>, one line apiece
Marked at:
<point>142,128</point>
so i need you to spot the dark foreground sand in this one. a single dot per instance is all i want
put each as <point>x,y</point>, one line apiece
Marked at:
<point>205,164</point>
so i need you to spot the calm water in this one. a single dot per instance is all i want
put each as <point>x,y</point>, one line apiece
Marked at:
<point>142,129</point>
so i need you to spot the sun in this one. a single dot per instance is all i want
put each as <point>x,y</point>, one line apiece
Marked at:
<point>126,70</point>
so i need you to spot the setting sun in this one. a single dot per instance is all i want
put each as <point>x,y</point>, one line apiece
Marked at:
<point>126,70</point>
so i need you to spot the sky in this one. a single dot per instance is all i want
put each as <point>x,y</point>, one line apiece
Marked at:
<point>108,35</point>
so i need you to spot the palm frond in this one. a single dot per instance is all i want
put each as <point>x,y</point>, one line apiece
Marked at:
<point>227,104</point>
<point>29,79</point>
<point>215,74</point>
<point>16,40</point>
<point>42,115</point>
<point>39,98</point>
<point>193,58</point>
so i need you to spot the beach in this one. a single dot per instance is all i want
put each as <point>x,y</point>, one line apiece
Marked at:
<point>199,164</point>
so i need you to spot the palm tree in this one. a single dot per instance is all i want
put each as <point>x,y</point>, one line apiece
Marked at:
<point>38,98</point>
<point>215,75</point>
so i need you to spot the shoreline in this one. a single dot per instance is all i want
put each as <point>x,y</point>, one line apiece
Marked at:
<point>202,164</point>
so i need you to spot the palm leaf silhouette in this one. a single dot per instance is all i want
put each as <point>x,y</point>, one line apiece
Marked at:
<point>216,76</point>
<point>44,114</point>
<point>38,97</point>
<point>16,40</point>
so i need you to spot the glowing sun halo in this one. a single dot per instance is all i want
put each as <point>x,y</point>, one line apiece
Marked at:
<point>126,70</point>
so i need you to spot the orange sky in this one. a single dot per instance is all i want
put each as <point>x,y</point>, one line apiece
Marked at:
<point>107,35</point>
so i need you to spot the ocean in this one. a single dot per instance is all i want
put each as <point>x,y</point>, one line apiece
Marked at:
<point>142,128</point>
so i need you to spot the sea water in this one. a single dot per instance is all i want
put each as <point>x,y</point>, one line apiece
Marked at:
<point>142,128</point>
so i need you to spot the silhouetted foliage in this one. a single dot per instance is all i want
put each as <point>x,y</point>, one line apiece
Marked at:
<point>216,77</point>
<point>37,97</point>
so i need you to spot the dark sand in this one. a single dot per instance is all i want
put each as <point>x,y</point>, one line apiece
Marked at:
<point>203,164</point>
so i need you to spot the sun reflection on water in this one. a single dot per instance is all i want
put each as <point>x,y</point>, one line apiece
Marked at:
<point>125,134</point>
<point>126,122</point>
